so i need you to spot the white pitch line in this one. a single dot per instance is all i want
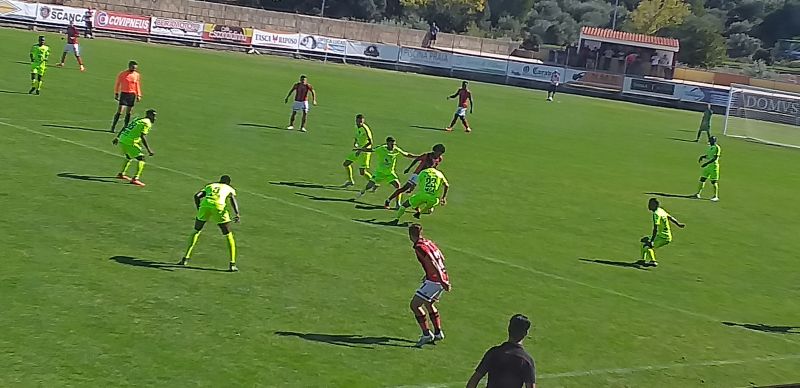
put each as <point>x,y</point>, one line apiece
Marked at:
<point>52,121</point>
<point>465,251</point>
<point>626,371</point>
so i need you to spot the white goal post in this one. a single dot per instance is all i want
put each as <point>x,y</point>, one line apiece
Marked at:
<point>764,115</point>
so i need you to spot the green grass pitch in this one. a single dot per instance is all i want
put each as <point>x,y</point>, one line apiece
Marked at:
<point>89,299</point>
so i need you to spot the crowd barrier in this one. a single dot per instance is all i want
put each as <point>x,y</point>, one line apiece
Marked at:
<point>512,70</point>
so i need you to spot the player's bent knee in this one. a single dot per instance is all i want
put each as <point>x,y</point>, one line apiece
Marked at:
<point>703,179</point>
<point>198,225</point>
<point>225,228</point>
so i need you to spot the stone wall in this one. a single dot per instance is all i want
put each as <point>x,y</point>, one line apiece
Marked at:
<point>286,22</point>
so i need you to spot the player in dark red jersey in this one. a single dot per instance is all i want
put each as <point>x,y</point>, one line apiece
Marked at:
<point>464,102</point>
<point>427,160</point>
<point>434,283</point>
<point>72,46</point>
<point>301,91</point>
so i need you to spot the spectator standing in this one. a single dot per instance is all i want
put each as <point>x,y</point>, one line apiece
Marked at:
<point>607,56</point>
<point>654,60</point>
<point>508,364</point>
<point>629,61</point>
<point>434,31</point>
<point>88,16</point>
<point>664,62</point>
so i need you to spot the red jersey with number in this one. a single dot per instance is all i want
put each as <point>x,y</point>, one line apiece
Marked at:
<point>72,35</point>
<point>301,91</point>
<point>463,97</point>
<point>432,260</point>
<point>427,160</point>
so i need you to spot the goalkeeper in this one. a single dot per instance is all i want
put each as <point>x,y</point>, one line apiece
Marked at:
<point>705,124</point>
<point>661,236</point>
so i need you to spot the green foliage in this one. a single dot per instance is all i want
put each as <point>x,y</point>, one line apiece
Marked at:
<point>780,24</point>
<point>701,40</point>
<point>763,55</point>
<point>653,15</point>
<point>742,45</point>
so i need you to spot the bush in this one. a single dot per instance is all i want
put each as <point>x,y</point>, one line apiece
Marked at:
<point>531,42</point>
<point>742,45</point>
<point>763,55</point>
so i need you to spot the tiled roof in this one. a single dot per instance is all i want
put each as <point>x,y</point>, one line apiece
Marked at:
<point>629,37</point>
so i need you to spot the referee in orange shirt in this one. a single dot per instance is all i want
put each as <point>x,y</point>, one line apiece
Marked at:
<point>127,91</point>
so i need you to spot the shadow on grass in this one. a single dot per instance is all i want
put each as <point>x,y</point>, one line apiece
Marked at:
<point>391,223</point>
<point>309,185</point>
<point>683,140</point>
<point>765,328</point>
<point>12,92</point>
<point>77,128</point>
<point>624,264</point>
<point>252,125</point>
<point>331,199</point>
<point>350,340</point>
<point>370,207</point>
<point>668,195</point>
<point>427,128</point>
<point>90,178</point>
<point>137,262</point>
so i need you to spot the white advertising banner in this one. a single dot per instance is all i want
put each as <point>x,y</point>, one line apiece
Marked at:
<point>377,51</point>
<point>59,14</point>
<point>273,39</point>
<point>425,57</point>
<point>533,71</point>
<point>323,44</point>
<point>176,28</point>
<point>480,64</point>
<point>17,10</point>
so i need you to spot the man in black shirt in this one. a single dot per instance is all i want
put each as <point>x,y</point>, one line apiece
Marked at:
<point>508,364</point>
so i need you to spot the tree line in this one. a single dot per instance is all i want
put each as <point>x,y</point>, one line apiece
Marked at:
<point>710,31</point>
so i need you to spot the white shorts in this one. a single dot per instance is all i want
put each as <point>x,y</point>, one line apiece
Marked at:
<point>413,179</point>
<point>461,112</point>
<point>72,48</point>
<point>429,291</point>
<point>300,106</point>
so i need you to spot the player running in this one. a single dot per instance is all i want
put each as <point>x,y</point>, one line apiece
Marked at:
<point>435,282</point>
<point>363,140</point>
<point>710,168</point>
<point>128,91</point>
<point>431,192</point>
<point>301,91</point>
<point>72,46</point>
<point>705,124</point>
<point>464,102</point>
<point>212,205</point>
<point>40,52</point>
<point>427,160</point>
<point>555,80</point>
<point>662,234</point>
<point>130,140</point>
<point>387,159</point>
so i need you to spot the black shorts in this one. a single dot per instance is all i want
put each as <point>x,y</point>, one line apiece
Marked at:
<point>553,88</point>
<point>127,99</point>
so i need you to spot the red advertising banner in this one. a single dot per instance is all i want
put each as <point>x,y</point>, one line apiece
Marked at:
<point>116,21</point>
<point>227,34</point>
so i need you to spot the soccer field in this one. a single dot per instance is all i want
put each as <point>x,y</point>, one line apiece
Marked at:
<point>548,202</point>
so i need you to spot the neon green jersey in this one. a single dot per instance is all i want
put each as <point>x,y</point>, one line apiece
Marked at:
<point>713,151</point>
<point>431,181</point>
<point>40,54</point>
<point>387,158</point>
<point>132,133</point>
<point>216,195</point>
<point>363,136</point>
<point>661,223</point>
<point>707,116</point>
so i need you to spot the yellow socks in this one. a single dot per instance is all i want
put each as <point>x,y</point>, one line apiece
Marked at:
<point>349,171</point>
<point>716,188</point>
<point>192,243</point>
<point>700,187</point>
<point>125,167</point>
<point>231,246</point>
<point>139,169</point>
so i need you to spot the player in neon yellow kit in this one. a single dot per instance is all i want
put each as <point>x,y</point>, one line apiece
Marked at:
<point>130,140</point>
<point>431,191</point>
<point>662,234</point>
<point>40,52</point>
<point>212,205</point>
<point>710,168</point>
<point>363,139</point>
<point>387,159</point>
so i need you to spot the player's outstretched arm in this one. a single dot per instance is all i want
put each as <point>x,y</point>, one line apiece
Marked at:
<point>471,103</point>
<point>454,95</point>
<point>476,377</point>
<point>410,166</point>
<point>444,193</point>
<point>286,100</point>
<point>235,206</point>
<point>146,145</point>
<point>363,149</point>
<point>712,160</point>
<point>676,222</point>
<point>198,196</point>
<point>313,96</point>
